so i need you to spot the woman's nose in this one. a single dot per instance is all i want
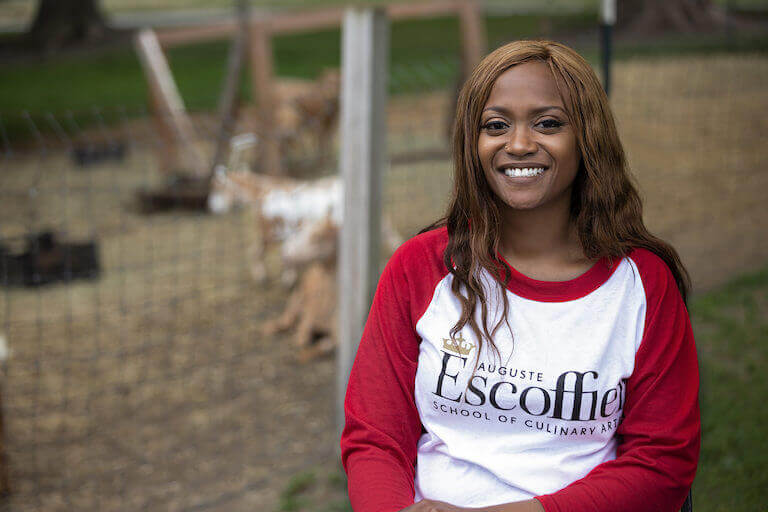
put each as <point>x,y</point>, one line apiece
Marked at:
<point>520,142</point>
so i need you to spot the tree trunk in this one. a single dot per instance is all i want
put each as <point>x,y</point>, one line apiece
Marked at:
<point>64,22</point>
<point>682,16</point>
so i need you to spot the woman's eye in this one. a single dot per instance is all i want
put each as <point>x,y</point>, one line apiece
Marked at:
<point>494,126</point>
<point>551,123</point>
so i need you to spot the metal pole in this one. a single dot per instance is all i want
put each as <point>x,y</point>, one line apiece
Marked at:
<point>607,20</point>
<point>230,96</point>
<point>364,57</point>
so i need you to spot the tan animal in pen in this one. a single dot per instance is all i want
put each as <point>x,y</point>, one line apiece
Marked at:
<point>311,307</point>
<point>285,211</point>
<point>282,208</point>
<point>305,114</point>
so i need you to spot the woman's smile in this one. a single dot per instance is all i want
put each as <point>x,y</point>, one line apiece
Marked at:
<point>523,174</point>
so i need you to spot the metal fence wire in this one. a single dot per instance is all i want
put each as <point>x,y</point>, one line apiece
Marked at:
<point>135,373</point>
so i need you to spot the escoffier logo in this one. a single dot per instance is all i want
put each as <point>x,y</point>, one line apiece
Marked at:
<point>458,345</point>
<point>576,396</point>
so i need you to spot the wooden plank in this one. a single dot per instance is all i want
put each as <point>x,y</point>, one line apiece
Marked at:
<point>196,34</point>
<point>262,81</point>
<point>303,21</point>
<point>365,45</point>
<point>423,10</point>
<point>288,23</point>
<point>473,38</point>
<point>168,105</point>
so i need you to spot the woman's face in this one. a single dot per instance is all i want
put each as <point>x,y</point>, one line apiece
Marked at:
<point>527,144</point>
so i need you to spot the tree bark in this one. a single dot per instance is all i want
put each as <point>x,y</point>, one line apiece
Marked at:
<point>682,16</point>
<point>59,23</point>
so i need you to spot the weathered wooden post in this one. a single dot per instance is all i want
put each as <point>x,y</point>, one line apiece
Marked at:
<point>364,56</point>
<point>262,82</point>
<point>473,37</point>
<point>176,127</point>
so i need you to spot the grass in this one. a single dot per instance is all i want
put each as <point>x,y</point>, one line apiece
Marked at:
<point>731,327</point>
<point>424,56</point>
<point>113,76</point>
<point>290,498</point>
<point>306,491</point>
<point>731,331</point>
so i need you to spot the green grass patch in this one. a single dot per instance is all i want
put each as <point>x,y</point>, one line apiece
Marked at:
<point>291,499</point>
<point>731,329</point>
<point>424,56</point>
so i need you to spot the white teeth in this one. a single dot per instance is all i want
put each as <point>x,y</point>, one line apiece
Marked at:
<point>525,172</point>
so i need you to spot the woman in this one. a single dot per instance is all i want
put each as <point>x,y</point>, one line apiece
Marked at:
<point>533,350</point>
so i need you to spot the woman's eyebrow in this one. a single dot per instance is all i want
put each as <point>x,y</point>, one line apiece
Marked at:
<point>537,110</point>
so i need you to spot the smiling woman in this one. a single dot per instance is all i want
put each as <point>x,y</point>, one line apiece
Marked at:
<point>542,263</point>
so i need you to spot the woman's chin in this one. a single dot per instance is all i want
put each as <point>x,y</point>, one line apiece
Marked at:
<point>517,202</point>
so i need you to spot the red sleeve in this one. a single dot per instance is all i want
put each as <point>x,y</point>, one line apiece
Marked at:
<point>382,424</point>
<point>661,430</point>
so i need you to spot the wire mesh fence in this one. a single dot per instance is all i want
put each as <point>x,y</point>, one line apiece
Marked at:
<point>137,374</point>
<point>691,129</point>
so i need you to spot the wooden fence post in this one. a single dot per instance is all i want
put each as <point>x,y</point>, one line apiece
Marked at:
<point>262,83</point>
<point>365,45</point>
<point>473,37</point>
<point>168,107</point>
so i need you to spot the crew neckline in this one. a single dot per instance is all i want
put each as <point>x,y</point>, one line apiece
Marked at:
<point>560,291</point>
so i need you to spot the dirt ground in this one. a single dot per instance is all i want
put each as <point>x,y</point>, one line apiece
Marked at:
<point>151,387</point>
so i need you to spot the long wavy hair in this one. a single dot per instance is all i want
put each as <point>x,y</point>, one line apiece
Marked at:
<point>605,205</point>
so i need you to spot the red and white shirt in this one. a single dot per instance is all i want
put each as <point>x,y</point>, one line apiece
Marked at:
<point>590,404</point>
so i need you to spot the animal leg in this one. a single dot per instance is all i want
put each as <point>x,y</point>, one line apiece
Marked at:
<point>289,316</point>
<point>321,347</point>
<point>303,336</point>
<point>259,248</point>
<point>289,277</point>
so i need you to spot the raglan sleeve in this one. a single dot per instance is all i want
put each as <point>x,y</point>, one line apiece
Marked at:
<point>660,433</point>
<point>382,425</point>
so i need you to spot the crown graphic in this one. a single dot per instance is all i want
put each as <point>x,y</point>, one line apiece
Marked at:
<point>459,345</point>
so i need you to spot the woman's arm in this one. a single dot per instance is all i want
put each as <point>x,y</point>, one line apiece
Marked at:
<point>439,506</point>
<point>660,433</point>
<point>382,428</point>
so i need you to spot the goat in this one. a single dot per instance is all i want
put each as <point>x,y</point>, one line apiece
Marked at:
<point>305,113</point>
<point>284,208</point>
<point>311,307</point>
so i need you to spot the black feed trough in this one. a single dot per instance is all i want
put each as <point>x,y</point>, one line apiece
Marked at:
<point>46,260</point>
<point>180,193</point>
<point>94,153</point>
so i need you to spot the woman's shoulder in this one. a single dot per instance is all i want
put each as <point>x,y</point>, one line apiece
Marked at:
<point>416,269</point>
<point>656,276</point>
<point>651,265</point>
<point>423,249</point>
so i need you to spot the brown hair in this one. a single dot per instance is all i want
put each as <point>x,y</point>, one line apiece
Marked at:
<point>605,204</point>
